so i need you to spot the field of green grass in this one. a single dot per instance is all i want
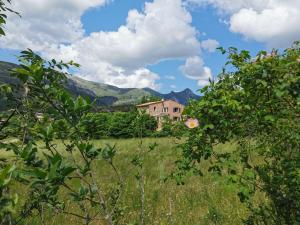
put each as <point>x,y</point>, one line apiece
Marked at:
<point>202,200</point>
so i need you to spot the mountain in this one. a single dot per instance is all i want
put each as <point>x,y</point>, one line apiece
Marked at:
<point>182,97</point>
<point>108,94</point>
<point>104,94</point>
<point>125,96</point>
<point>5,67</point>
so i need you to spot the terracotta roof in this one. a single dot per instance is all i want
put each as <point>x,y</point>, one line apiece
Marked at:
<point>149,103</point>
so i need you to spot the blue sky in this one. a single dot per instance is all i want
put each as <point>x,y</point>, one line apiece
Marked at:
<point>96,33</point>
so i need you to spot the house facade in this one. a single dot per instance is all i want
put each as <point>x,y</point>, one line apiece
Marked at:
<point>161,109</point>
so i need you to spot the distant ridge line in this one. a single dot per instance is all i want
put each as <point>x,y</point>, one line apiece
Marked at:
<point>105,94</point>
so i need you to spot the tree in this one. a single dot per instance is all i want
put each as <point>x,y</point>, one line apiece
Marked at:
<point>151,98</point>
<point>119,125</point>
<point>143,125</point>
<point>8,200</point>
<point>44,111</point>
<point>256,104</point>
<point>98,123</point>
<point>3,9</point>
<point>47,173</point>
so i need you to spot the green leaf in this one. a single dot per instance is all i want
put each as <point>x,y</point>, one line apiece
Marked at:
<point>67,171</point>
<point>5,175</point>
<point>208,126</point>
<point>2,32</point>
<point>39,173</point>
<point>270,118</point>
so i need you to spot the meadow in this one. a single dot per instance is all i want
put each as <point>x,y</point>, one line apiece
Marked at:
<point>202,200</point>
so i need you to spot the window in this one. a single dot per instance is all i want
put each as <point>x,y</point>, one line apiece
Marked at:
<point>176,110</point>
<point>154,108</point>
<point>165,109</point>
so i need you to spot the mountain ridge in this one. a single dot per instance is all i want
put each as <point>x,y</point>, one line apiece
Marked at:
<point>105,94</point>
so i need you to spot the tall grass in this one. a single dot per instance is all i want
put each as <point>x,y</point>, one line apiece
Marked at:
<point>202,200</point>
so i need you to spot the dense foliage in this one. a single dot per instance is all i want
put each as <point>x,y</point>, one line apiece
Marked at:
<point>117,125</point>
<point>46,112</point>
<point>43,113</point>
<point>151,98</point>
<point>3,9</point>
<point>255,104</point>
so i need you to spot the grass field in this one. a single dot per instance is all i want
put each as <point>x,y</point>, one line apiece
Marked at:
<point>202,200</point>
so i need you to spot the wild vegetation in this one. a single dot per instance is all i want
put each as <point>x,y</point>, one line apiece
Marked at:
<point>118,125</point>
<point>239,163</point>
<point>206,200</point>
<point>256,104</point>
<point>48,169</point>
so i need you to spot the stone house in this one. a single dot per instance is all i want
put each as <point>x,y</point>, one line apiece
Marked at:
<point>162,109</point>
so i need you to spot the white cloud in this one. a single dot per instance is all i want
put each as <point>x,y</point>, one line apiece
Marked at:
<point>118,76</point>
<point>195,69</point>
<point>210,45</point>
<point>276,26</point>
<point>170,77</point>
<point>45,23</point>
<point>162,31</point>
<point>231,6</point>
<point>119,57</point>
<point>144,39</point>
<point>274,22</point>
<point>173,86</point>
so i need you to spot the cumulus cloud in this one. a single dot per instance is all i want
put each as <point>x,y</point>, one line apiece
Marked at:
<point>45,23</point>
<point>274,22</point>
<point>144,39</point>
<point>277,26</point>
<point>195,69</point>
<point>120,57</point>
<point>210,45</point>
<point>162,31</point>
<point>119,76</point>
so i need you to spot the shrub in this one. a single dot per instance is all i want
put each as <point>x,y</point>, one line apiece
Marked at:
<point>256,104</point>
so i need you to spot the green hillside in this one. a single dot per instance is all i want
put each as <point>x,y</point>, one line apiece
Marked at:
<point>4,72</point>
<point>125,96</point>
<point>105,95</point>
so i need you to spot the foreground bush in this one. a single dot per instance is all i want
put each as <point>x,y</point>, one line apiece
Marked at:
<point>257,105</point>
<point>44,113</point>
